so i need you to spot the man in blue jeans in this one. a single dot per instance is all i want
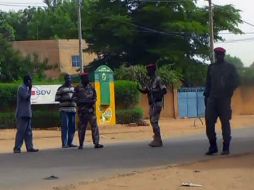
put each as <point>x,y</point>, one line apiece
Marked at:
<point>67,108</point>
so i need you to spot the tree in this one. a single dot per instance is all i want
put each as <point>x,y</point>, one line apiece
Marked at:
<point>131,32</point>
<point>138,32</point>
<point>235,61</point>
<point>13,66</point>
<point>6,29</point>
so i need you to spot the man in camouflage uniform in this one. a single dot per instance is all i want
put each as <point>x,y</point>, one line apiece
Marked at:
<point>85,97</point>
<point>155,92</point>
<point>222,80</point>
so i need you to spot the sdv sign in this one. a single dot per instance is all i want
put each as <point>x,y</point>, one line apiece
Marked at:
<point>41,92</point>
<point>44,94</point>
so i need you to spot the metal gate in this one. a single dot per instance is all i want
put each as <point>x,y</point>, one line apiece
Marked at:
<point>191,102</point>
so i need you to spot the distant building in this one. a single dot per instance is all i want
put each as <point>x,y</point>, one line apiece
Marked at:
<point>62,53</point>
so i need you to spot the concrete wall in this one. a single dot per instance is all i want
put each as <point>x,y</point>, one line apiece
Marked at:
<point>242,103</point>
<point>170,109</point>
<point>58,52</point>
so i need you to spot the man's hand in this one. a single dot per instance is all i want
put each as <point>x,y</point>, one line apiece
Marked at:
<point>30,87</point>
<point>142,90</point>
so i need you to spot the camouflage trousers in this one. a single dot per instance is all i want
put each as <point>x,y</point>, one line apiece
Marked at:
<point>154,115</point>
<point>84,119</point>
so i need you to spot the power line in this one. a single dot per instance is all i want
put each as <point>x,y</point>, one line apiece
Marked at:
<point>14,5</point>
<point>18,3</point>
<point>238,40</point>
<point>248,23</point>
<point>231,33</point>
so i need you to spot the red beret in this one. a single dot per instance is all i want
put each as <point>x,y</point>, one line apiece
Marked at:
<point>151,66</point>
<point>84,74</point>
<point>219,50</point>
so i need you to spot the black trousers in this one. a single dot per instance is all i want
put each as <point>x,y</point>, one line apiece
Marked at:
<point>218,107</point>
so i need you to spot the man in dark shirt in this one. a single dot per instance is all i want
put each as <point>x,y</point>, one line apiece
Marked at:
<point>222,80</point>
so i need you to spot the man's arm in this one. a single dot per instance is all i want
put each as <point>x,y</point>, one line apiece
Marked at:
<point>58,95</point>
<point>142,90</point>
<point>162,87</point>
<point>207,85</point>
<point>24,93</point>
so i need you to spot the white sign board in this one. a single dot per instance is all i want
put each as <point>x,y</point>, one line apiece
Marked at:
<point>44,94</point>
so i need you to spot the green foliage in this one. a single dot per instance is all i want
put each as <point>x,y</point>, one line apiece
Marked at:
<point>138,73</point>
<point>8,95</point>
<point>235,61</point>
<point>246,75</point>
<point>128,32</point>
<point>7,120</point>
<point>126,94</point>
<point>194,74</point>
<point>6,29</point>
<point>46,119</point>
<point>177,30</point>
<point>13,66</point>
<point>169,76</point>
<point>41,119</point>
<point>126,116</point>
<point>127,97</point>
<point>131,73</point>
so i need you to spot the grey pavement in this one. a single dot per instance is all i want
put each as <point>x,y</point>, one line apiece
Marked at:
<point>28,170</point>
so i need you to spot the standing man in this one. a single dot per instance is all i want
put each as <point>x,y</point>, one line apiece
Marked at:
<point>67,112</point>
<point>24,117</point>
<point>222,80</point>
<point>155,92</point>
<point>85,97</point>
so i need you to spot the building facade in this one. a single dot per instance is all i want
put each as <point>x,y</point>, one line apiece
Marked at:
<point>63,55</point>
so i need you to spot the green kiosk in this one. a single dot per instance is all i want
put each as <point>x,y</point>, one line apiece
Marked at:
<point>104,86</point>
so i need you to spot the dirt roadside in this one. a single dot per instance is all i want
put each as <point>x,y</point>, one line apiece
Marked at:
<point>223,173</point>
<point>47,139</point>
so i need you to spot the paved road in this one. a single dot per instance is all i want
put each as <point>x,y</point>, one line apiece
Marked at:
<point>71,165</point>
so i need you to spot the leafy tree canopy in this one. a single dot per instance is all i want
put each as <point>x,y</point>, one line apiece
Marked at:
<point>234,60</point>
<point>130,32</point>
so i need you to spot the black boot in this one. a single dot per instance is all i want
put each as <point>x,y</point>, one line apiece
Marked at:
<point>213,149</point>
<point>156,142</point>
<point>225,150</point>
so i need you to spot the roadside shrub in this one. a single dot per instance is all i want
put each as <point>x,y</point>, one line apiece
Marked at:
<point>46,119</point>
<point>41,119</point>
<point>8,94</point>
<point>138,73</point>
<point>126,116</point>
<point>126,94</point>
<point>7,120</point>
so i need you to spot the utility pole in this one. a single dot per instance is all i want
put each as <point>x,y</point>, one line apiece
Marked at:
<point>80,37</point>
<point>211,33</point>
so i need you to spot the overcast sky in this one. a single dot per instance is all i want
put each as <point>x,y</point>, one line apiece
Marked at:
<point>236,45</point>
